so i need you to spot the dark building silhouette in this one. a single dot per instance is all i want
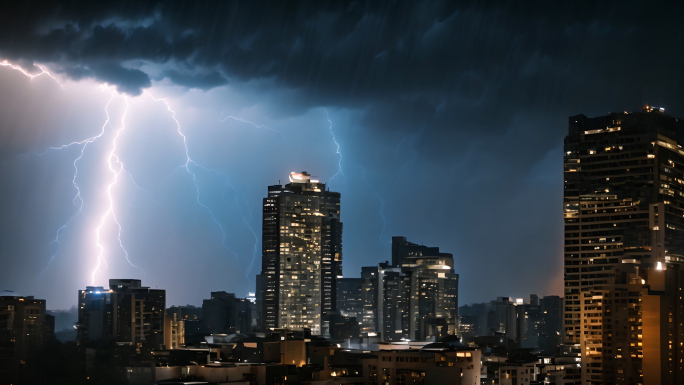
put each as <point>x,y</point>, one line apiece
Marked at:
<point>401,248</point>
<point>350,297</point>
<point>624,246</point>
<point>301,254</point>
<point>24,327</point>
<point>226,314</point>
<point>534,326</point>
<point>552,327</point>
<point>126,313</point>
<point>192,322</point>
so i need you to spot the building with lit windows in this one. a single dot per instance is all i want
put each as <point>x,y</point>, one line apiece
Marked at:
<point>624,246</point>
<point>301,255</point>
<point>126,313</point>
<point>24,327</point>
<point>436,363</point>
<point>414,298</point>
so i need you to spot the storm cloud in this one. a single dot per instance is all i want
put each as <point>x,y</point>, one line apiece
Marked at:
<point>450,117</point>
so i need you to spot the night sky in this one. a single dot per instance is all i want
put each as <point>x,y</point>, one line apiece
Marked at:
<point>437,121</point>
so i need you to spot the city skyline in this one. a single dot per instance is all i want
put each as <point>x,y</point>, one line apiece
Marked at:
<point>435,121</point>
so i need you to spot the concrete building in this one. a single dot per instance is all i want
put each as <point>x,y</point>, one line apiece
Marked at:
<point>22,324</point>
<point>433,364</point>
<point>192,322</point>
<point>545,370</point>
<point>536,325</point>
<point>350,297</point>
<point>127,312</point>
<point>174,331</point>
<point>301,254</point>
<point>226,314</point>
<point>23,329</point>
<point>624,246</point>
<point>369,294</point>
<point>416,299</point>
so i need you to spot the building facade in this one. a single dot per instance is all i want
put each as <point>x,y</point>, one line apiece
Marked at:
<point>301,254</point>
<point>226,314</point>
<point>433,364</point>
<point>624,246</point>
<point>24,327</point>
<point>416,299</point>
<point>127,312</point>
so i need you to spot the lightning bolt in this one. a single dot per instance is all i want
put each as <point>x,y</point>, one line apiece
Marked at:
<point>188,162</point>
<point>77,196</point>
<point>259,126</point>
<point>337,150</point>
<point>244,218</point>
<point>116,167</point>
<point>43,71</point>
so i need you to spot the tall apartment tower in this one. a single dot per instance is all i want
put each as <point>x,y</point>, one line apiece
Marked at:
<point>624,246</point>
<point>301,254</point>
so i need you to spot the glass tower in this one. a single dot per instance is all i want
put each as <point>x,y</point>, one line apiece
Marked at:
<point>301,254</point>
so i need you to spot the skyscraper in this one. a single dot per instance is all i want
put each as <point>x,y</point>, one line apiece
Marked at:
<point>301,254</point>
<point>624,246</point>
<point>415,297</point>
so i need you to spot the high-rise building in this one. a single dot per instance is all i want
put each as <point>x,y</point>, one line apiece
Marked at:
<point>127,312</point>
<point>536,325</point>
<point>301,254</point>
<point>624,246</point>
<point>350,297</point>
<point>23,329</point>
<point>402,248</point>
<point>552,324</point>
<point>414,299</point>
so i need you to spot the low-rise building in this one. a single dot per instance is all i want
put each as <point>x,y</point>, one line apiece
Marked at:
<point>435,363</point>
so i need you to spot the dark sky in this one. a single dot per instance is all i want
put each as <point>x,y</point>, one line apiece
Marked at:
<point>438,121</point>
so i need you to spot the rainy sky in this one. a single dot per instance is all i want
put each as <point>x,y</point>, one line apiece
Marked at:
<point>147,150</point>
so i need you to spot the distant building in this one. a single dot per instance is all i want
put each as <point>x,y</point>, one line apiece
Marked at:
<point>226,314</point>
<point>624,246</point>
<point>401,249</point>
<point>551,332</point>
<point>127,312</point>
<point>537,325</point>
<point>350,297</point>
<point>301,254</point>
<point>174,331</point>
<point>23,329</point>
<point>192,322</point>
<point>502,319</point>
<point>434,364</point>
<point>369,296</point>
<point>414,300</point>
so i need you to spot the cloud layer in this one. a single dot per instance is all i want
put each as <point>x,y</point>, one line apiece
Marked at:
<point>450,117</point>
